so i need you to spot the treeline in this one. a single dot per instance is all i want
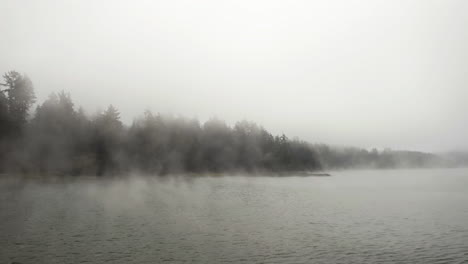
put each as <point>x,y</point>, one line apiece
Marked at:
<point>58,138</point>
<point>357,158</point>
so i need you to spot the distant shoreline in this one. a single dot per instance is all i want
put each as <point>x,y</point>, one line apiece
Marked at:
<point>57,178</point>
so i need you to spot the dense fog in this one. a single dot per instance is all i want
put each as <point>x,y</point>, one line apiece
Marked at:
<point>58,138</point>
<point>247,131</point>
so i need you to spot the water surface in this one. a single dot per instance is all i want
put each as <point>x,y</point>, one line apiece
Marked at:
<point>403,216</point>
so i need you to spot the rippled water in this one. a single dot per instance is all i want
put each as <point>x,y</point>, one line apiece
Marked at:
<point>400,216</point>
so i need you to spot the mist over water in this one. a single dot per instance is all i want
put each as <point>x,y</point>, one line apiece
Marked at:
<point>211,131</point>
<point>404,216</point>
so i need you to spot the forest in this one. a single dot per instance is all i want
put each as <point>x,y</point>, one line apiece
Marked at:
<point>58,138</point>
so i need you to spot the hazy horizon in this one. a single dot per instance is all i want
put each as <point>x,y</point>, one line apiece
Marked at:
<point>355,73</point>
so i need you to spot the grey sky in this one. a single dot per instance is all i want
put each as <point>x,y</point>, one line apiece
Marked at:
<point>363,73</point>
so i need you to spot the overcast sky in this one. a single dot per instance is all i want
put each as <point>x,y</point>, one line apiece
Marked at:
<point>362,73</point>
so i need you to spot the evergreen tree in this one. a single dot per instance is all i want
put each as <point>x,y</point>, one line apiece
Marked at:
<point>20,97</point>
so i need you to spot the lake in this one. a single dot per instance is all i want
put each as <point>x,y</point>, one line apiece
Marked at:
<point>384,216</point>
